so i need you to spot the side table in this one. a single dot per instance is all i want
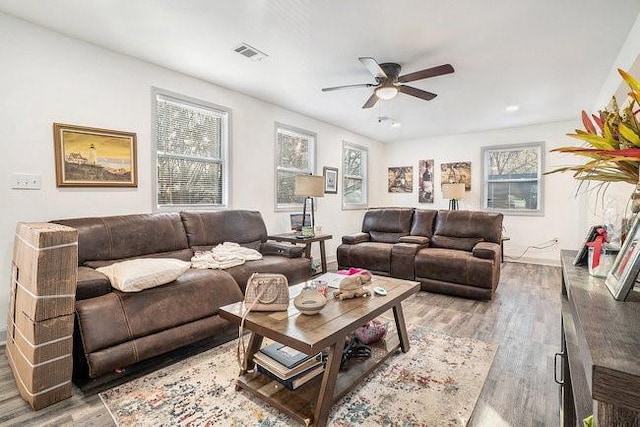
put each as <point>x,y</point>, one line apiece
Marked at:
<point>307,241</point>
<point>502,240</point>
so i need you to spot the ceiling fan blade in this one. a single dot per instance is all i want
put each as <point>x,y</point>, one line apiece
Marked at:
<point>373,67</point>
<point>418,93</point>
<point>329,89</point>
<point>371,101</point>
<point>426,73</point>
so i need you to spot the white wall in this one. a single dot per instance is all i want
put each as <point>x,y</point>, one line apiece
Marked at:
<point>47,77</point>
<point>628,59</point>
<point>563,215</point>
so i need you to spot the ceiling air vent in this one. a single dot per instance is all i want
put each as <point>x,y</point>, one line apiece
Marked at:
<point>250,52</point>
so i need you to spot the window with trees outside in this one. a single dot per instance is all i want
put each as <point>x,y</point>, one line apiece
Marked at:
<point>295,155</point>
<point>354,176</point>
<point>191,143</point>
<point>513,178</point>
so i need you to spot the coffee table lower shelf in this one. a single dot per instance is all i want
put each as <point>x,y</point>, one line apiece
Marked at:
<point>300,403</point>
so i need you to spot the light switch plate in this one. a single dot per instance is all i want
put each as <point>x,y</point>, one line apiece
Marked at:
<point>24,181</point>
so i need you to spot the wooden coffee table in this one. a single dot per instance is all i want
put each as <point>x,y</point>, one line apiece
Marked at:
<point>311,403</point>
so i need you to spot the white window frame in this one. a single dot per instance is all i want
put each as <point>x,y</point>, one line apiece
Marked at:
<point>364,204</point>
<point>311,161</point>
<point>539,146</point>
<point>225,114</point>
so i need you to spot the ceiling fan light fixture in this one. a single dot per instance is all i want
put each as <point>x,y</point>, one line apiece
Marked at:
<point>386,92</point>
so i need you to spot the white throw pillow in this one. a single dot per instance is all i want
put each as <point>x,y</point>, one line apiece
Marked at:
<point>139,274</point>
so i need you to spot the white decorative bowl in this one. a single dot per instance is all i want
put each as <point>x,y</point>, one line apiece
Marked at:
<point>310,301</point>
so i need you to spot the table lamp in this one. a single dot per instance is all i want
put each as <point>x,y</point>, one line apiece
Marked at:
<point>453,192</point>
<point>309,186</point>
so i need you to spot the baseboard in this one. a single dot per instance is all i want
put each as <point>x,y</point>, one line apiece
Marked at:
<point>3,337</point>
<point>539,261</point>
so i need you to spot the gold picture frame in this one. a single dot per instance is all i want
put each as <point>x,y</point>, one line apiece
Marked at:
<point>93,157</point>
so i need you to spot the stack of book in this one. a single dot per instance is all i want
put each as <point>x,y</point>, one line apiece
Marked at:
<point>289,367</point>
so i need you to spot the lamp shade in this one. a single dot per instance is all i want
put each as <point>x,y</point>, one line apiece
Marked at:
<point>309,186</point>
<point>453,191</point>
<point>386,92</point>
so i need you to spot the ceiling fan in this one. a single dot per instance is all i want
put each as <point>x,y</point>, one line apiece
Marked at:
<point>388,76</point>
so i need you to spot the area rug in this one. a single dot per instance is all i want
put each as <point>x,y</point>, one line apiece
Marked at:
<point>436,383</point>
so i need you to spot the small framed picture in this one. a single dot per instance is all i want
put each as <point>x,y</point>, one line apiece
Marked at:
<point>625,269</point>
<point>330,180</point>
<point>91,157</point>
<point>581,257</point>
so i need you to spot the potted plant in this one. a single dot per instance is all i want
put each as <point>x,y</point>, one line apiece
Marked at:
<point>612,141</point>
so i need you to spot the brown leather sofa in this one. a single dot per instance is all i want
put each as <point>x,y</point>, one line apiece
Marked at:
<point>115,329</point>
<point>451,252</point>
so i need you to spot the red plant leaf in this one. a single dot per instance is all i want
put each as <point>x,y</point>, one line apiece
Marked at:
<point>587,123</point>
<point>598,121</point>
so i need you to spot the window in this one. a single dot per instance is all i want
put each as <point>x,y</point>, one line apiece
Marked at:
<point>354,176</point>
<point>295,155</point>
<point>513,178</point>
<point>191,143</point>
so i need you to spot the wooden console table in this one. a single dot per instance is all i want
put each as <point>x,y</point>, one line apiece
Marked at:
<point>307,241</point>
<point>600,354</point>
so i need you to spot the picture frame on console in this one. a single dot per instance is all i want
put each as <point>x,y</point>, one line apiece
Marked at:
<point>330,180</point>
<point>93,157</point>
<point>626,266</point>
<point>582,256</point>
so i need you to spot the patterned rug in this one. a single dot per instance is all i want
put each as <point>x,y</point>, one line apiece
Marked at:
<point>436,383</point>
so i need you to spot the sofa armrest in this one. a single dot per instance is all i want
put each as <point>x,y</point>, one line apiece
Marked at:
<point>91,283</point>
<point>355,238</point>
<point>421,241</point>
<point>486,250</point>
<point>281,249</point>
<point>402,260</point>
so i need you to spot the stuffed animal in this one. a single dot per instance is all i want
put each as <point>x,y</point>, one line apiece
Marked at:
<point>354,286</point>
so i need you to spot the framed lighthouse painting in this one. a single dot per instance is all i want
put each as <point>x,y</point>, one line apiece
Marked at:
<point>92,157</point>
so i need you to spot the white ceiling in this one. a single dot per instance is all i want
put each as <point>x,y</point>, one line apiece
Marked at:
<point>548,56</point>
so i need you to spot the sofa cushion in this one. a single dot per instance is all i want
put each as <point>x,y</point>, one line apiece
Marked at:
<point>374,256</point>
<point>423,222</point>
<point>454,266</point>
<point>457,223</point>
<point>458,243</point>
<point>208,229</point>
<point>118,317</point>
<point>387,225</point>
<point>139,274</point>
<point>297,270</point>
<point>183,254</point>
<point>127,236</point>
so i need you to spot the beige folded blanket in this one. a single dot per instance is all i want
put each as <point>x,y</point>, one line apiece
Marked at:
<point>223,256</point>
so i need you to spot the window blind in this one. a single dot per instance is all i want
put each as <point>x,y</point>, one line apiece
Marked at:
<point>190,147</point>
<point>294,156</point>
<point>354,177</point>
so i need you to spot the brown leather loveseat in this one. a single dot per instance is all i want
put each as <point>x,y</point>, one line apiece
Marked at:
<point>115,329</point>
<point>452,252</point>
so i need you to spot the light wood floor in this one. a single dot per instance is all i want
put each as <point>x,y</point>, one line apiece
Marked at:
<point>523,319</point>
